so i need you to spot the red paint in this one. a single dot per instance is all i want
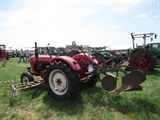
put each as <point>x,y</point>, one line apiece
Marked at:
<point>59,82</point>
<point>142,64</point>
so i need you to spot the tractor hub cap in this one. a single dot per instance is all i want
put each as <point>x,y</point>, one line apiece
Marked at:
<point>25,79</point>
<point>142,64</point>
<point>58,82</point>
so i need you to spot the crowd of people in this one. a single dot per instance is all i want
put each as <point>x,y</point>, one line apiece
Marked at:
<point>24,55</point>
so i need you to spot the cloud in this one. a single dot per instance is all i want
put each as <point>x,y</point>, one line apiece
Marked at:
<point>141,16</point>
<point>57,23</point>
<point>43,17</point>
<point>156,17</point>
<point>60,22</point>
<point>115,26</point>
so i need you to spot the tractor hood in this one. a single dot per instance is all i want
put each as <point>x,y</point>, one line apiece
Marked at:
<point>44,58</point>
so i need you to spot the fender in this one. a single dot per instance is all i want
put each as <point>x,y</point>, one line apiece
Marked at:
<point>136,49</point>
<point>86,58</point>
<point>70,61</point>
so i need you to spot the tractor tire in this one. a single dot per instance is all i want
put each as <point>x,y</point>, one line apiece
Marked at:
<point>61,81</point>
<point>26,77</point>
<point>147,63</point>
<point>92,82</point>
<point>100,58</point>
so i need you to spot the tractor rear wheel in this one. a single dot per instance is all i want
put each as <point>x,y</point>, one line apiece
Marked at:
<point>61,81</point>
<point>26,77</point>
<point>146,63</point>
<point>92,82</point>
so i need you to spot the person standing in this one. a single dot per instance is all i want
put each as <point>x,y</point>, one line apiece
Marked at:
<point>4,57</point>
<point>27,56</point>
<point>21,56</point>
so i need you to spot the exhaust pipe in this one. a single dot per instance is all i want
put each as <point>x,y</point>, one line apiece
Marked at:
<point>36,54</point>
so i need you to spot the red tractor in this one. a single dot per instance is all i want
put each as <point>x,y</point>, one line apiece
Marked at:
<point>63,75</point>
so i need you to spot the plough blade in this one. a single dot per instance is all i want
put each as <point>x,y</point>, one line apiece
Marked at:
<point>130,81</point>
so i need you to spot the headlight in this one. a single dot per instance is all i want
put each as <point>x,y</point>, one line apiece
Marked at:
<point>90,68</point>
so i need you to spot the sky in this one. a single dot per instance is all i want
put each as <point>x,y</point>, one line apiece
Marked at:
<point>96,23</point>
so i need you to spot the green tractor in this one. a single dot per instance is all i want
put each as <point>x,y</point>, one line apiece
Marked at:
<point>151,58</point>
<point>155,48</point>
<point>105,56</point>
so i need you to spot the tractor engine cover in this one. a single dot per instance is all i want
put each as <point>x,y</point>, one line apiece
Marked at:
<point>109,83</point>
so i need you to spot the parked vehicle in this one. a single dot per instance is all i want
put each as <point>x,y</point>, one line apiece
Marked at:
<point>64,75</point>
<point>155,49</point>
<point>148,62</point>
<point>102,55</point>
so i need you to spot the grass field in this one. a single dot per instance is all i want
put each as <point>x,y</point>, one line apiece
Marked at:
<point>90,104</point>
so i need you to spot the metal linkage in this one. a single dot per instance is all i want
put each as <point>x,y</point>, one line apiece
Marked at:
<point>26,85</point>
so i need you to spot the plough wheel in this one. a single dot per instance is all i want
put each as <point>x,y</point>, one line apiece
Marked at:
<point>109,83</point>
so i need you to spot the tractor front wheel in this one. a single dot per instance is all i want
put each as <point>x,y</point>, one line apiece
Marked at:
<point>61,81</point>
<point>26,77</point>
<point>92,82</point>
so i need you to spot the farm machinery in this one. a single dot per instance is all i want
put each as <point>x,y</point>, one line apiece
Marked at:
<point>64,75</point>
<point>155,49</point>
<point>104,55</point>
<point>152,57</point>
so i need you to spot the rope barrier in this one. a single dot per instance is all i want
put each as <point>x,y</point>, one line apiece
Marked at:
<point>7,81</point>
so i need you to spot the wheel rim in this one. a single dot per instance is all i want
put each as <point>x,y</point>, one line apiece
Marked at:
<point>25,79</point>
<point>143,63</point>
<point>58,82</point>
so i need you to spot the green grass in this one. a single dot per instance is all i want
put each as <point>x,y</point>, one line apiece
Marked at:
<point>90,104</point>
